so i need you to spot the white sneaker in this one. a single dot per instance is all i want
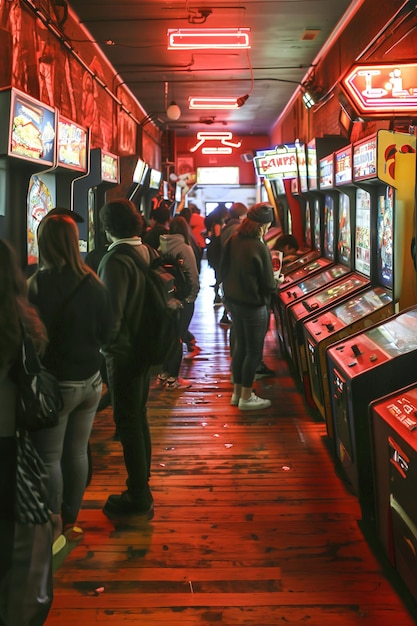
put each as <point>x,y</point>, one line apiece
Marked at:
<point>254,403</point>
<point>234,399</point>
<point>59,543</point>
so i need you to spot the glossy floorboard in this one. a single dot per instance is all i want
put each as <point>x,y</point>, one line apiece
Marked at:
<point>253,526</point>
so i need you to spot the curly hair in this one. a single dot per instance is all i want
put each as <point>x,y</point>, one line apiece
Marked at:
<point>15,308</point>
<point>121,219</point>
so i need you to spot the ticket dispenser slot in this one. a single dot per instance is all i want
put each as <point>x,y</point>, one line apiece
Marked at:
<point>314,364</point>
<point>340,416</point>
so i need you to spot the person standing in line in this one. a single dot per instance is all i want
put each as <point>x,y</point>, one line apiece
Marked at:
<point>198,229</point>
<point>74,306</point>
<point>177,244</point>
<point>128,372</point>
<point>248,283</point>
<point>26,587</point>
<point>159,223</point>
<point>214,223</point>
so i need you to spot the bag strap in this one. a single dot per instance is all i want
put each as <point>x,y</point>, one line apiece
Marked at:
<point>71,295</point>
<point>137,258</point>
<point>30,358</point>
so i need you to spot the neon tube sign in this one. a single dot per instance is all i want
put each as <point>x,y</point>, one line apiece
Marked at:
<point>382,88</point>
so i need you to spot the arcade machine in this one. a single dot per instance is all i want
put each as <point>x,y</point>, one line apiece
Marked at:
<point>89,195</point>
<point>54,189</point>
<point>152,191</point>
<point>26,149</point>
<point>362,368</point>
<point>393,421</point>
<point>364,309</point>
<point>380,360</point>
<point>311,263</point>
<point>314,276</point>
<point>310,306</point>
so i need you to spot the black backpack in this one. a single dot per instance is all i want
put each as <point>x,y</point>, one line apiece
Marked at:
<point>160,317</point>
<point>175,266</point>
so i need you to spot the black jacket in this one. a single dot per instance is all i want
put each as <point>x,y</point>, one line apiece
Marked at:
<point>126,285</point>
<point>247,272</point>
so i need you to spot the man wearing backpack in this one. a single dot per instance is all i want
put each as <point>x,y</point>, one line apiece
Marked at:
<point>128,369</point>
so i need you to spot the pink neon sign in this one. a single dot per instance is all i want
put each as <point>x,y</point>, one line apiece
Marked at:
<point>383,88</point>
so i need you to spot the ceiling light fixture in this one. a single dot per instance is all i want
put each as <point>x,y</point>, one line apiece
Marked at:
<point>203,38</point>
<point>212,103</point>
<point>216,103</point>
<point>174,111</point>
<point>308,100</point>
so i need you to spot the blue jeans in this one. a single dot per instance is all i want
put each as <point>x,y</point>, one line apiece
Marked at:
<point>250,325</point>
<point>63,448</point>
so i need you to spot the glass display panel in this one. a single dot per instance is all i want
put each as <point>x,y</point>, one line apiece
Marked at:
<point>307,226</point>
<point>302,166</point>
<point>363,305</point>
<point>364,159</point>
<point>41,199</point>
<point>337,291</point>
<point>140,172</point>
<point>329,227</point>
<point>32,129</point>
<point>155,179</point>
<point>343,166</point>
<point>317,225</point>
<point>385,237</point>
<point>398,335</point>
<point>312,165</point>
<point>363,232</point>
<point>344,235</point>
<point>91,203</point>
<point>109,167</point>
<point>315,282</point>
<point>326,172</point>
<point>72,145</point>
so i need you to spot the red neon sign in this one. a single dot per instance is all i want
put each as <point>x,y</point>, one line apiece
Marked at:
<point>383,88</point>
<point>203,38</point>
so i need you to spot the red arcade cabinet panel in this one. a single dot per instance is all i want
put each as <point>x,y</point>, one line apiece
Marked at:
<point>394,441</point>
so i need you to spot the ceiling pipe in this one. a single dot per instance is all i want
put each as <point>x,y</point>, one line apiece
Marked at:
<point>339,28</point>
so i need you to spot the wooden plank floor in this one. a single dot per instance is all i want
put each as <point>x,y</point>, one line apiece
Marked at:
<point>252,526</point>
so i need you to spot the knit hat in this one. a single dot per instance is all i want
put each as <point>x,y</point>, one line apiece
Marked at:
<point>262,213</point>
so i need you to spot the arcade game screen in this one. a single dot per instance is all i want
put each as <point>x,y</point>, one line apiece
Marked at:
<point>329,227</point>
<point>363,232</point>
<point>385,237</point>
<point>307,226</point>
<point>344,237</point>
<point>317,225</point>
<point>41,199</point>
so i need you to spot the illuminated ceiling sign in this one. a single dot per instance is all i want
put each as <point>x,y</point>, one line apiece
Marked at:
<point>222,137</point>
<point>279,163</point>
<point>213,103</point>
<point>208,38</point>
<point>377,89</point>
